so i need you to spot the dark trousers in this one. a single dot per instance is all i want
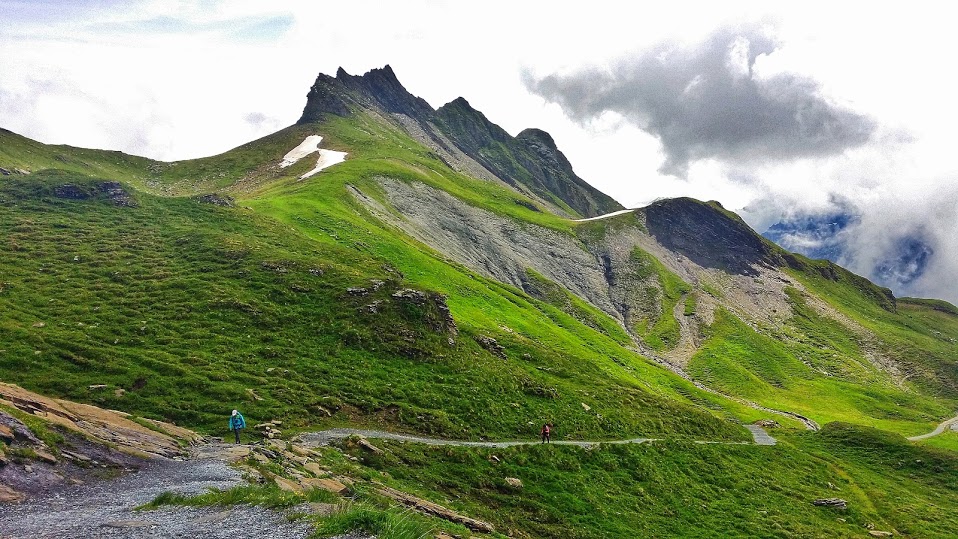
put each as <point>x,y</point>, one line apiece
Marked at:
<point>236,432</point>
<point>546,438</point>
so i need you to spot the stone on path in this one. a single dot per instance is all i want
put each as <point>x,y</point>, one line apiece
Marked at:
<point>8,495</point>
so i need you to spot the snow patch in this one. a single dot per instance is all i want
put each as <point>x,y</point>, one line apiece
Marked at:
<point>327,158</point>
<point>308,146</point>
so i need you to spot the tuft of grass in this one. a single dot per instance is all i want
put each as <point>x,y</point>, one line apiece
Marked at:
<point>383,523</point>
<point>269,496</point>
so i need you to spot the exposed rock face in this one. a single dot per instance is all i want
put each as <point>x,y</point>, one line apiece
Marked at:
<point>107,426</point>
<point>91,439</point>
<point>831,502</point>
<point>531,158</point>
<point>463,137</point>
<point>114,191</point>
<point>708,236</point>
<point>217,200</point>
<point>378,88</point>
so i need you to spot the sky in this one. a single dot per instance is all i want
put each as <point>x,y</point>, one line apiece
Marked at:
<point>776,111</point>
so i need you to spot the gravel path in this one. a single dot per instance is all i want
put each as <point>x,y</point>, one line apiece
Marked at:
<point>760,435</point>
<point>325,437</point>
<point>938,430</point>
<point>104,509</point>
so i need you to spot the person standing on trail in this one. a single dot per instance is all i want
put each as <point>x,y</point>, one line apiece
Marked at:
<point>236,423</point>
<point>546,433</point>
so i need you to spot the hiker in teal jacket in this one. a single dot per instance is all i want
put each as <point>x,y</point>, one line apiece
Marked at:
<point>236,423</point>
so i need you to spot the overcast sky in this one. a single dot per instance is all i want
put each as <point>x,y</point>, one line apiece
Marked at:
<point>771,110</point>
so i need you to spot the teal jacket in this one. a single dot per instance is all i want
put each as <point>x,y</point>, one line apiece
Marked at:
<point>237,422</point>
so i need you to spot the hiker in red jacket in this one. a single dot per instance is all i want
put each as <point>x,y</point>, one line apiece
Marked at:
<point>546,433</point>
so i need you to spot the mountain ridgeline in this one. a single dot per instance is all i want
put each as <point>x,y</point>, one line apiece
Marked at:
<point>529,161</point>
<point>439,281</point>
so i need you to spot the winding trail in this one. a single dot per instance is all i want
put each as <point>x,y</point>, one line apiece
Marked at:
<point>325,437</point>
<point>105,509</point>
<point>944,425</point>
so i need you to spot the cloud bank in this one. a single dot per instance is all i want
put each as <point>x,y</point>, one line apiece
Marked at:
<point>712,100</point>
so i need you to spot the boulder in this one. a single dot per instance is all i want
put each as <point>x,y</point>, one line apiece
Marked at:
<point>830,502</point>
<point>287,485</point>
<point>364,443</point>
<point>327,484</point>
<point>323,509</point>
<point>879,533</point>
<point>514,482</point>
<point>8,495</point>
<point>314,469</point>
<point>434,509</point>
<point>45,457</point>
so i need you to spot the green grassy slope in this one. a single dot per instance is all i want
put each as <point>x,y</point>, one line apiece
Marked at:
<point>689,490</point>
<point>194,309</point>
<point>19,152</point>
<point>295,306</point>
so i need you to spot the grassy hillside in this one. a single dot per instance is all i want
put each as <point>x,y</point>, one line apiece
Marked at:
<point>186,310</point>
<point>18,152</point>
<point>689,490</point>
<point>120,286</point>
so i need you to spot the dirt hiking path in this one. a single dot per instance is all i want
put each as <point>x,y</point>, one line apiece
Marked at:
<point>325,437</point>
<point>104,509</point>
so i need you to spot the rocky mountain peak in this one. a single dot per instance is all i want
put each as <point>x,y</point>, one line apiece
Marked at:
<point>539,137</point>
<point>379,87</point>
<point>708,235</point>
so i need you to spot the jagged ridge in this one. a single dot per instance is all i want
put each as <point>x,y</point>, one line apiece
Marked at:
<point>529,160</point>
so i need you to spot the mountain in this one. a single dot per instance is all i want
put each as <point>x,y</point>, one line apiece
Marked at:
<point>839,237</point>
<point>464,138</point>
<point>386,265</point>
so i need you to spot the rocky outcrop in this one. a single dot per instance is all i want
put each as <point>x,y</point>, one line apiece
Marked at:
<point>225,201</point>
<point>113,191</point>
<point>106,426</point>
<point>434,509</point>
<point>837,503</point>
<point>378,88</point>
<point>709,236</point>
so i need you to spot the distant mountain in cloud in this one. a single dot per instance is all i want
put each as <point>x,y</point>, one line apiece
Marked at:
<point>837,236</point>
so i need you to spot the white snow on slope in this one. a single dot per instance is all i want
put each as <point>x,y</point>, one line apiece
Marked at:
<point>606,216</point>
<point>308,146</point>
<point>327,158</point>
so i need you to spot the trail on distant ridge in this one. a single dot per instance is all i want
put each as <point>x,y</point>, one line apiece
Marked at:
<point>938,430</point>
